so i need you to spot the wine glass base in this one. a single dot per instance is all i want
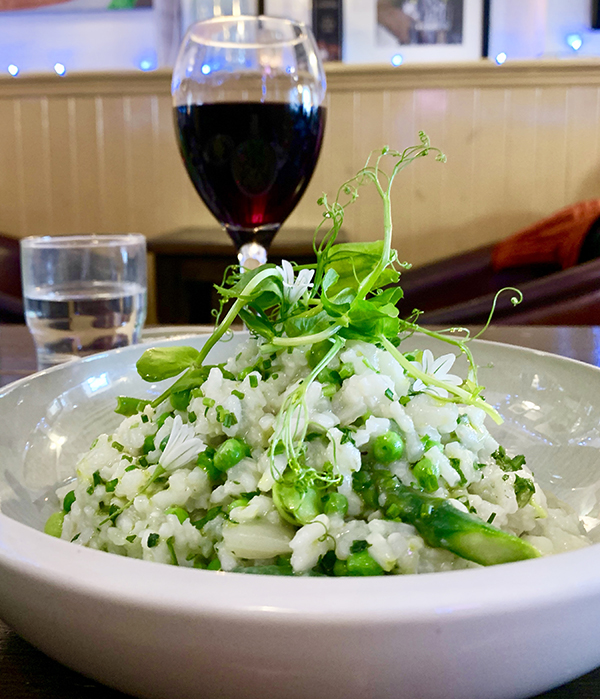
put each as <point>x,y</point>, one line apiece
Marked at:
<point>262,235</point>
<point>252,255</point>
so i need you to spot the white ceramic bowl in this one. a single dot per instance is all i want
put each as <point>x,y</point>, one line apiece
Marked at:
<point>159,631</point>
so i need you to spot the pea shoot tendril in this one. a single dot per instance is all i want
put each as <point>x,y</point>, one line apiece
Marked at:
<point>351,293</point>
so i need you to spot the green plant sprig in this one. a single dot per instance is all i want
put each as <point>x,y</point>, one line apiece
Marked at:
<point>353,295</point>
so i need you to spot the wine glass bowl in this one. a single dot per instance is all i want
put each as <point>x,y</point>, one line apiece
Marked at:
<point>248,97</point>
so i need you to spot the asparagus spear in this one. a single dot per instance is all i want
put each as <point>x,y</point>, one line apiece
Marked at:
<point>444,526</point>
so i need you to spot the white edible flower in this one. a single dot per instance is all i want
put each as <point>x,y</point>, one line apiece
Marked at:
<point>438,368</point>
<point>293,290</point>
<point>182,446</point>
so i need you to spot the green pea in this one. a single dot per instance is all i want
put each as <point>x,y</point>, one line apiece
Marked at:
<point>361,564</point>
<point>240,502</point>
<point>340,568</point>
<point>388,447</point>
<point>180,513</point>
<point>335,504</point>
<point>329,376</point>
<point>426,473</point>
<point>230,453</point>
<point>54,524</point>
<point>294,505</point>
<point>206,462</point>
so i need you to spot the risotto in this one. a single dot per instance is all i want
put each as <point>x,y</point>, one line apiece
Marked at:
<point>321,447</point>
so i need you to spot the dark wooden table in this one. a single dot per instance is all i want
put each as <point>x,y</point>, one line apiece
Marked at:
<point>25,673</point>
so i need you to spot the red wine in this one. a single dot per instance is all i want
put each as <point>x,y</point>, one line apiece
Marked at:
<point>250,161</point>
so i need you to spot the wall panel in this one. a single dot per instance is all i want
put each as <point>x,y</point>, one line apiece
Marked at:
<point>97,152</point>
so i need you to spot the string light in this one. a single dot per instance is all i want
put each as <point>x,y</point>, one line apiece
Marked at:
<point>13,70</point>
<point>575,41</point>
<point>397,59</point>
<point>59,69</point>
<point>500,58</point>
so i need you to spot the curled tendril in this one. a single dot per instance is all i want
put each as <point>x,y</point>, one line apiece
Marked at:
<point>515,300</point>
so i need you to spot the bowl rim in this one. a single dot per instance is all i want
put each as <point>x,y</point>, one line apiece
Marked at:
<point>496,590</point>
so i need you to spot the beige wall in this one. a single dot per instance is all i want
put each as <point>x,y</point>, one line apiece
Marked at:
<point>97,153</point>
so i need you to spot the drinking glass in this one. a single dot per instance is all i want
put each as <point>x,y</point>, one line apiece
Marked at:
<point>248,95</point>
<point>83,293</point>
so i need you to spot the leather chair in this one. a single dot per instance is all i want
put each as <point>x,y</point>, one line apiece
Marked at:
<point>11,297</point>
<point>460,290</point>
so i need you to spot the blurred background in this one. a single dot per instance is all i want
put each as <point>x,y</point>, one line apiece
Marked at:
<point>508,89</point>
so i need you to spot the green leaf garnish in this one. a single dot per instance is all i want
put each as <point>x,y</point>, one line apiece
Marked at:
<point>160,363</point>
<point>350,293</point>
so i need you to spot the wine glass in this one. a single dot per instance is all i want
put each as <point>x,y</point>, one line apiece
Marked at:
<point>248,95</point>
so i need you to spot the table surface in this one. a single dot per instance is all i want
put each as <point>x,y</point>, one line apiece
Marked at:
<point>25,673</point>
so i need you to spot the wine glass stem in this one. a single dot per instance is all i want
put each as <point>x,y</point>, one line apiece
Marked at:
<point>252,255</point>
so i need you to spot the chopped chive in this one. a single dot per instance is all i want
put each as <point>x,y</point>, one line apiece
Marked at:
<point>76,537</point>
<point>90,490</point>
<point>230,420</point>
<point>143,461</point>
<point>127,458</point>
<point>171,546</point>
<point>491,518</point>
<point>404,400</point>
<point>163,444</point>
<point>145,418</point>
<point>208,517</point>
<point>152,540</point>
<point>238,394</point>
<point>455,463</point>
<point>192,417</point>
<point>131,468</point>
<point>209,402</point>
<point>274,376</point>
<point>111,485</point>
<point>68,501</point>
<point>118,446</point>
<point>179,512</point>
<point>161,420</point>
<point>94,443</point>
<point>346,370</point>
<point>131,538</point>
<point>253,380</point>
<point>148,444</point>
<point>359,545</point>
<point>113,513</point>
<point>389,393</point>
<point>96,478</point>
<point>348,433</point>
